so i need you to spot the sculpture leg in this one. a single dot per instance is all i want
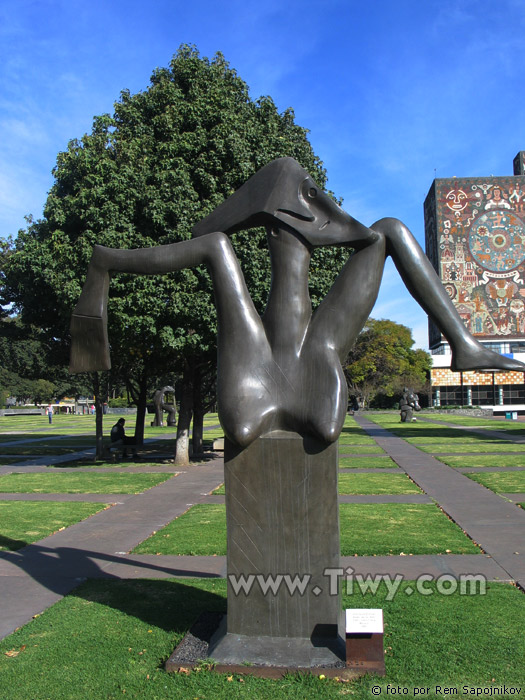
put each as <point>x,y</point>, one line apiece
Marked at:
<point>237,315</point>
<point>425,286</point>
<point>344,311</point>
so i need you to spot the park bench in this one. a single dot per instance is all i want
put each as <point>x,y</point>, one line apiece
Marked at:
<point>23,412</point>
<point>112,452</point>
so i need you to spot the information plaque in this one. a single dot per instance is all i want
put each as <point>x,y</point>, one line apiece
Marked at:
<point>364,640</point>
<point>364,620</point>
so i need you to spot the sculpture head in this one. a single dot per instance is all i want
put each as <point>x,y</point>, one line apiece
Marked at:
<point>282,193</point>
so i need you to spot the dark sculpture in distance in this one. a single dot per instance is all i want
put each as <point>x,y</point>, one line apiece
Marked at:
<point>282,371</point>
<point>160,406</point>
<point>408,404</point>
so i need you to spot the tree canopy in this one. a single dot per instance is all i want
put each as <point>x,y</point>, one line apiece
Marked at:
<point>383,361</point>
<point>144,176</point>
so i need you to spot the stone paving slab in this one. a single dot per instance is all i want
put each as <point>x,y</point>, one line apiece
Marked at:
<point>385,498</point>
<point>25,596</point>
<point>516,497</point>
<point>475,454</point>
<point>356,498</point>
<point>468,470</point>
<point>435,565</point>
<point>346,455</point>
<point>113,498</point>
<point>47,460</point>
<point>493,523</point>
<point>133,468</point>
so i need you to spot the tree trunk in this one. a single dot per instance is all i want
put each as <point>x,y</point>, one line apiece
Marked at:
<point>197,432</point>
<point>198,414</point>
<point>182,453</point>
<point>99,427</point>
<point>141,410</point>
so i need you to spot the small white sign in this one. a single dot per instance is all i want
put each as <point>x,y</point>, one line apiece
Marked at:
<point>364,621</point>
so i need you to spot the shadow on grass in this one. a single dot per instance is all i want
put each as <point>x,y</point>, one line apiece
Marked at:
<point>145,458</point>
<point>6,543</point>
<point>170,605</point>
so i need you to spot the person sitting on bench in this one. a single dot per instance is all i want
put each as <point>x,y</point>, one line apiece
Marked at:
<point>119,439</point>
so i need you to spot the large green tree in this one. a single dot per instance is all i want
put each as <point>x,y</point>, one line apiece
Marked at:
<point>383,361</point>
<point>28,370</point>
<point>144,176</point>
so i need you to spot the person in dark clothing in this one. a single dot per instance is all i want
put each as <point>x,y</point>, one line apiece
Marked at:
<point>119,439</point>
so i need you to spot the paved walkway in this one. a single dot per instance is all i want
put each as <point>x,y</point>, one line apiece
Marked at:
<point>33,578</point>
<point>492,522</point>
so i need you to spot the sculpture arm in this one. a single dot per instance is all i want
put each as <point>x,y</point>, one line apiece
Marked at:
<point>236,312</point>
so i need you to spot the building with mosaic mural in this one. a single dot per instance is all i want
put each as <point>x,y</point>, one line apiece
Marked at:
<point>475,239</point>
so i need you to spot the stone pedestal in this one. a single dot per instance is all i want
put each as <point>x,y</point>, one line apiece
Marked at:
<point>283,540</point>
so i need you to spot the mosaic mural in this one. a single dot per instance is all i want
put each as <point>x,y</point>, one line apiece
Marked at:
<point>475,238</point>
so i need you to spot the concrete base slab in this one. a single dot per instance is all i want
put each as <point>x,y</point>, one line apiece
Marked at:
<point>296,652</point>
<point>198,645</point>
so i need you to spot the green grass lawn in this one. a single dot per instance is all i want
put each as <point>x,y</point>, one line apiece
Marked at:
<point>367,484</point>
<point>209,435</point>
<point>478,422</point>
<point>38,426</point>
<point>355,436</point>
<point>367,463</point>
<point>109,639</point>
<point>352,432</point>
<point>345,439</point>
<point>501,482</point>
<point>457,436</point>
<point>395,528</point>
<point>366,529</point>
<point>80,483</point>
<point>24,522</point>
<point>211,419</point>
<point>466,447</point>
<point>350,448</point>
<point>484,460</point>
<point>199,531</point>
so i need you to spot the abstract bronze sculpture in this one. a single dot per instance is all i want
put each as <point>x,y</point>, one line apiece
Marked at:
<point>282,396</point>
<point>408,404</point>
<point>282,371</point>
<point>160,406</point>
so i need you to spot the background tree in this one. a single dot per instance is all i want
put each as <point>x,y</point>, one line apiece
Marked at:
<point>143,177</point>
<point>382,362</point>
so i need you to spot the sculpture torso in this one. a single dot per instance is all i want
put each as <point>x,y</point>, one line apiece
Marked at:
<point>295,382</point>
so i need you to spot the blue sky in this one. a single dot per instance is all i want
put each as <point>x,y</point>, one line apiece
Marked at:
<point>393,93</point>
